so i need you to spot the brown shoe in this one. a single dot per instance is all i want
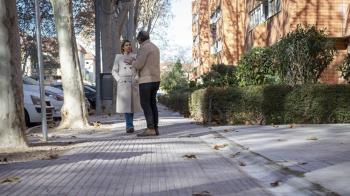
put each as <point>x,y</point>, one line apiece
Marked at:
<point>147,132</point>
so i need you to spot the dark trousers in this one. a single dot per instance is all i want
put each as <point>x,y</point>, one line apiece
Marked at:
<point>148,93</point>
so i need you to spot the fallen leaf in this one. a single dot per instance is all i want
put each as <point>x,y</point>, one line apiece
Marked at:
<point>302,163</point>
<point>240,163</point>
<point>291,126</point>
<point>218,146</point>
<point>190,156</point>
<point>96,124</point>
<point>51,156</point>
<point>235,154</point>
<point>55,136</point>
<point>203,193</point>
<point>274,184</point>
<point>312,138</point>
<point>10,179</point>
<point>226,130</point>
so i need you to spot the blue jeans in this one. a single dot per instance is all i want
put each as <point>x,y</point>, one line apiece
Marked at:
<point>129,119</point>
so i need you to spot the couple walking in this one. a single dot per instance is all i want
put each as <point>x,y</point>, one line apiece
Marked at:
<point>138,79</point>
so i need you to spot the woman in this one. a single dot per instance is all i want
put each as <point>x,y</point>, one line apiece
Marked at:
<point>128,100</point>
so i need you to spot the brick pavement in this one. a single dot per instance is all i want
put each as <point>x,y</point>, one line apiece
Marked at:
<point>132,167</point>
<point>116,163</point>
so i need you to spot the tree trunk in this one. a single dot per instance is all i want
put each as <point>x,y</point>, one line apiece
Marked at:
<point>107,11</point>
<point>74,112</point>
<point>11,89</point>
<point>111,30</point>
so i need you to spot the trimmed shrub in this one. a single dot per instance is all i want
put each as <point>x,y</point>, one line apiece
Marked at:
<point>318,103</point>
<point>230,105</point>
<point>274,99</point>
<point>278,104</point>
<point>177,101</point>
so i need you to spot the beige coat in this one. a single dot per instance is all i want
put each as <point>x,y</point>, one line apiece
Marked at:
<point>128,99</point>
<point>147,62</point>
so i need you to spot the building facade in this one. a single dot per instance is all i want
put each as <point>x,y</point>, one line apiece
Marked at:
<point>229,28</point>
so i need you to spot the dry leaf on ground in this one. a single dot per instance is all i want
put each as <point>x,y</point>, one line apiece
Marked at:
<point>291,125</point>
<point>10,179</point>
<point>190,156</point>
<point>235,154</point>
<point>218,146</point>
<point>276,183</point>
<point>4,159</point>
<point>240,163</point>
<point>203,193</point>
<point>96,124</point>
<point>302,163</point>
<point>312,138</point>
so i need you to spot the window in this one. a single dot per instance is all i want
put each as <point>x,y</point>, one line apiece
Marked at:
<point>196,40</point>
<point>257,16</point>
<point>214,18</point>
<point>195,18</point>
<point>266,9</point>
<point>274,7</point>
<point>216,47</point>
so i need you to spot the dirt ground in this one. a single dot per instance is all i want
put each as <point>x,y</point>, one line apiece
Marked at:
<point>59,142</point>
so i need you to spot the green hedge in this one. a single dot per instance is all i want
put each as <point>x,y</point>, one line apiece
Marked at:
<point>177,101</point>
<point>278,104</point>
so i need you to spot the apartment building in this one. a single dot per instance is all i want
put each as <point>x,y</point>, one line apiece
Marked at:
<point>223,30</point>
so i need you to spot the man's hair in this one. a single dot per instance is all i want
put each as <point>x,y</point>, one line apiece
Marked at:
<point>142,36</point>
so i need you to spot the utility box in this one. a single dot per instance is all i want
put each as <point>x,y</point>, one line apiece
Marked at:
<point>106,86</point>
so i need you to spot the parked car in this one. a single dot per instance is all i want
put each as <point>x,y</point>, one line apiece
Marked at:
<point>90,93</point>
<point>32,107</point>
<point>55,95</point>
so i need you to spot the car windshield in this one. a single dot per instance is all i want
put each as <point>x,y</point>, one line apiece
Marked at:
<point>30,81</point>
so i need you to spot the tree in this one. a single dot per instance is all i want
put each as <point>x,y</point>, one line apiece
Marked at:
<point>26,24</point>
<point>221,76</point>
<point>175,79</point>
<point>11,93</point>
<point>303,54</point>
<point>74,112</point>
<point>344,68</point>
<point>256,67</point>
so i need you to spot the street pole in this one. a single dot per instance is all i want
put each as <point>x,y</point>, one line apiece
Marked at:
<point>98,56</point>
<point>41,71</point>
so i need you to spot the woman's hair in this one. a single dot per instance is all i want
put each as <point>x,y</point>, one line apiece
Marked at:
<point>123,44</point>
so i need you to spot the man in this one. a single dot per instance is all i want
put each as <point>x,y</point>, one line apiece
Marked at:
<point>147,63</point>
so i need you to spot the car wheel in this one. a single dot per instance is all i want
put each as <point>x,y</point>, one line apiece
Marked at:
<point>26,118</point>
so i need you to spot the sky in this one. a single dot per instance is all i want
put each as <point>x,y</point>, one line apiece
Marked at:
<point>179,33</point>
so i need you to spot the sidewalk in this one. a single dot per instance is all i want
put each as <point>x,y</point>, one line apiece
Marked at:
<point>318,153</point>
<point>189,159</point>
